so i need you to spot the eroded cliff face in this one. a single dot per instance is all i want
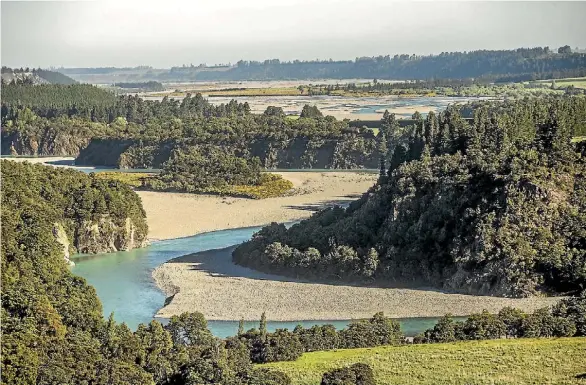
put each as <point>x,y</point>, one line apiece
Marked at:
<point>102,236</point>
<point>61,236</point>
<point>347,153</point>
<point>50,143</point>
<point>106,236</point>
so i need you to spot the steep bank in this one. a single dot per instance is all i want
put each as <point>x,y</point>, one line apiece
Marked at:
<point>492,208</point>
<point>172,215</point>
<point>46,142</point>
<point>345,153</point>
<point>211,283</point>
<point>82,214</point>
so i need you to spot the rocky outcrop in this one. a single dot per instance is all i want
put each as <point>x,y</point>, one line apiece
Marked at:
<point>103,236</point>
<point>48,143</point>
<point>62,238</point>
<point>106,236</point>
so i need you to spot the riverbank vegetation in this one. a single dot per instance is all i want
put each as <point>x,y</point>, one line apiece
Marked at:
<point>515,361</point>
<point>433,87</point>
<point>209,170</point>
<point>54,332</point>
<point>493,207</point>
<point>133,179</point>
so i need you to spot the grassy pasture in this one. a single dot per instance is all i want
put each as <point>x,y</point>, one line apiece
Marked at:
<point>496,362</point>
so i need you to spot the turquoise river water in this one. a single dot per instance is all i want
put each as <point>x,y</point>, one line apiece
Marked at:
<point>125,286</point>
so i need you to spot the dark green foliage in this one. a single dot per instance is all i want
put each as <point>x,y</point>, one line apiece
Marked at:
<point>574,309</point>
<point>494,206</point>
<point>379,330</point>
<point>268,377</point>
<point>484,326</point>
<point>565,319</point>
<point>73,201</point>
<point>189,329</point>
<point>51,100</point>
<point>198,169</point>
<point>503,65</point>
<point>310,112</point>
<point>357,374</point>
<point>542,323</point>
<point>77,120</point>
<point>513,320</point>
<point>445,330</point>
<point>318,337</point>
<point>281,345</point>
<point>52,326</point>
<point>146,86</point>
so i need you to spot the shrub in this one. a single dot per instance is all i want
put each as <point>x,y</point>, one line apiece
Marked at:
<point>573,308</point>
<point>318,337</point>
<point>513,320</point>
<point>282,345</point>
<point>379,330</point>
<point>268,377</point>
<point>443,331</point>
<point>357,374</point>
<point>542,323</point>
<point>484,326</point>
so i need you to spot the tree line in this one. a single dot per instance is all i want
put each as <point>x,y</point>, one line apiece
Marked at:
<point>146,86</point>
<point>522,64</point>
<point>501,65</point>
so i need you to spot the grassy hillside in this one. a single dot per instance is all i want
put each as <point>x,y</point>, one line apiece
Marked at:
<point>522,361</point>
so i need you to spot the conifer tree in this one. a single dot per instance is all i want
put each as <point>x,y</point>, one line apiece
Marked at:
<point>241,327</point>
<point>263,326</point>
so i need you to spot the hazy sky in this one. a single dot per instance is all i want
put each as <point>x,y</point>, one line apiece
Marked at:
<point>166,33</point>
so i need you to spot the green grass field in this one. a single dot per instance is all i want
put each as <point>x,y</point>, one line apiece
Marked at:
<point>576,82</point>
<point>515,362</point>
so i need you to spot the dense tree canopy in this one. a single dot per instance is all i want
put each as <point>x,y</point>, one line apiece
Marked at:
<point>129,132</point>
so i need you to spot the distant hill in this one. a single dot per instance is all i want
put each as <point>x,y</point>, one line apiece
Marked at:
<point>35,76</point>
<point>522,64</point>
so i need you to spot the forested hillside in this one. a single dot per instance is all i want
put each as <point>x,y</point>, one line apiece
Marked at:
<point>487,65</point>
<point>52,326</point>
<point>495,207</point>
<point>130,132</point>
<point>505,65</point>
<point>34,76</point>
<point>83,213</point>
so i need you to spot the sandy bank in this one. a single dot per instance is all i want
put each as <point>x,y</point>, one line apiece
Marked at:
<point>62,161</point>
<point>210,283</point>
<point>172,215</point>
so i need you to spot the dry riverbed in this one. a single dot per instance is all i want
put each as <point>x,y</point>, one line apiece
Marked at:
<point>173,215</point>
<point>210,283</point>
